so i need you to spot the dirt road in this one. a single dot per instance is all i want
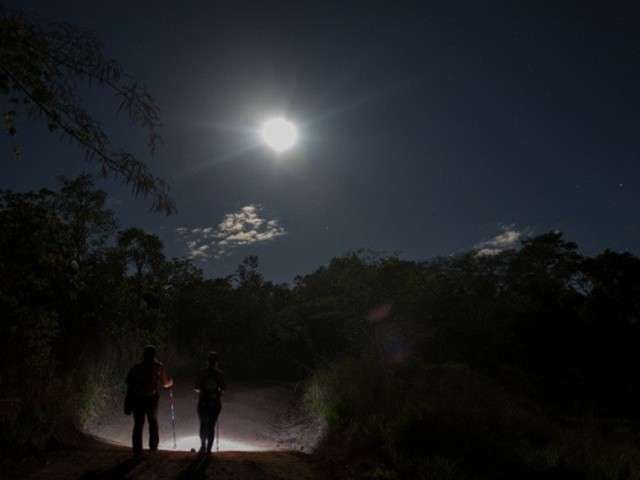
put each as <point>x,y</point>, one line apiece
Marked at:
<point>253,418</point>
<point>109,462</point>
<point>264,435</point>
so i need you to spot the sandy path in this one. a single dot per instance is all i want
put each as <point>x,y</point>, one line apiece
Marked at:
<point>263,436</point>
<point>252,419</point>
<point>108,462</point>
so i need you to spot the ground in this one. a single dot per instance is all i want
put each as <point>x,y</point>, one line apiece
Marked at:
<point>264,435</point>
<point>109,462</point>
<point>253,418</point>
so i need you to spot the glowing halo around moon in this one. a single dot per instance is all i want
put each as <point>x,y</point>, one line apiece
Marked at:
<point>279,134</point>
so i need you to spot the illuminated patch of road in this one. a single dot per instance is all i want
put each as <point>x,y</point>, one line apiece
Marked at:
<point>252,419</point>
<point>225,445</point>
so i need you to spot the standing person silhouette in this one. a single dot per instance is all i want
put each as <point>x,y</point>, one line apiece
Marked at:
<point>210,385</point>
<point>144,382</point>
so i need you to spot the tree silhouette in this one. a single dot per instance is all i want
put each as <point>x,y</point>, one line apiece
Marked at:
<point>41,65</point>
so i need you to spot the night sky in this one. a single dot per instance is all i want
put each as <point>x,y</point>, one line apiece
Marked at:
<point>425,129</point>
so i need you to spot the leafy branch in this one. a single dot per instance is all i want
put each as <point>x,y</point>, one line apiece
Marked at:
<point>41,67</point>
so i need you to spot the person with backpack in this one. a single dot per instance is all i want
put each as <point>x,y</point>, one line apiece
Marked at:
<point>210,385</point>
<point>144,383</point>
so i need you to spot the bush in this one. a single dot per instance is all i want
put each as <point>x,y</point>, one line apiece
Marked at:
<point>448,421</point>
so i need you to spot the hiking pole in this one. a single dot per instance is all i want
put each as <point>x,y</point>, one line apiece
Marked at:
<point>217,435</point>
<point>173,417</point>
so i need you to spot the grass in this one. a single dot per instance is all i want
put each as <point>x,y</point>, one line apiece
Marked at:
<point>51,407</point>
<point>447,421</point>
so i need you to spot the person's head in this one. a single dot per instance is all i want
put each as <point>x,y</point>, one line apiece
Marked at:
<point>213,359</point>
<point>149,353</point>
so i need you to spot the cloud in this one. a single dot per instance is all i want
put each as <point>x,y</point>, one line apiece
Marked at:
<point>199,252</point>
<point>508,239</point>
<point>237,229</point>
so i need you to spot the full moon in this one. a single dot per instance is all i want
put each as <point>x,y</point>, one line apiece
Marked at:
<point>279,133</point>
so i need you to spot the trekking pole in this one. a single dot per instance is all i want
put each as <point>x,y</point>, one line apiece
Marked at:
<point>218,435</point>
<point>173,417</point>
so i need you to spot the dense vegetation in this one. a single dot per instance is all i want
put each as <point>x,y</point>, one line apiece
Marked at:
<point>515,365</point>
<point>435,366</point>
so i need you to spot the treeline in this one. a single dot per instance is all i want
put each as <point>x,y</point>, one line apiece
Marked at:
<point>520,364</point>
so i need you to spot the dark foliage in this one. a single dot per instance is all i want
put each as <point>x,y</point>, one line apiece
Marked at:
<point>42,65</point>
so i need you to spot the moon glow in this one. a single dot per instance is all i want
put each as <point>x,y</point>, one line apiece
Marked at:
<point>279,134</point>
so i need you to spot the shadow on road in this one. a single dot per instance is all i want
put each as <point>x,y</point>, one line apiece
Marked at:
<point>116,473</point>
<point>196,471</point>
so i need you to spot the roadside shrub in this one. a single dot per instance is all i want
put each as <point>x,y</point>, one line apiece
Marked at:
<point>448,421</point>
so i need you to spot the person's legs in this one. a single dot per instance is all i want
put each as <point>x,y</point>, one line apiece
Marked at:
<point>152,415</point>
<point>202,415</point>
<point>211,428</point>
<point>214,412</point>
<point>138,425</point>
